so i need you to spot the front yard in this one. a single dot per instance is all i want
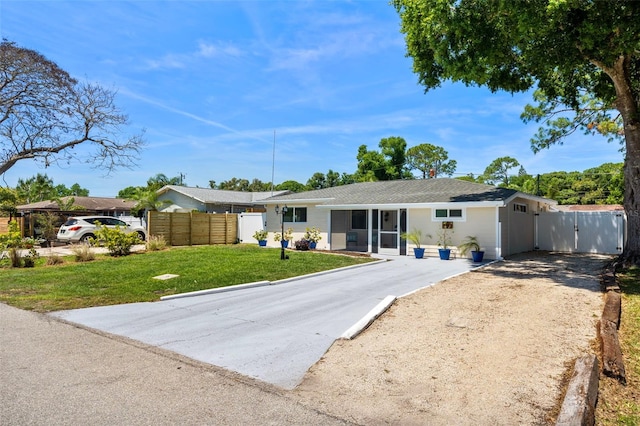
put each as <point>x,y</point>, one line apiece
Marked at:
<point>114,280</point>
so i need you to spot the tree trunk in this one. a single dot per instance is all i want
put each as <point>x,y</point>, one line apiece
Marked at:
<point>627,101</point>
<point>631,253</point>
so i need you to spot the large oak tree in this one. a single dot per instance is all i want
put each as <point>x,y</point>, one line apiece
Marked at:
<point>45,114</point>
<point>583,55</point>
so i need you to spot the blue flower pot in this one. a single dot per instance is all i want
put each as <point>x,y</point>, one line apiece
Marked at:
<point>477,256</point>
<point>262,243</point>
<point>418,252</point>
<point>284,243</point>
<point>312,245</point>
<point>444,253</point>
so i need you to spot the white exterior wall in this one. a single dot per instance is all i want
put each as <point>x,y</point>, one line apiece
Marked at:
<point>315,217</point>
<point>479,222</point>
<point>181,203</point>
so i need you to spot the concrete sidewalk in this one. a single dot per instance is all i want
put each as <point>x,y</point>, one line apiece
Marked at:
<point>272,333</point>
<point>52,373</point>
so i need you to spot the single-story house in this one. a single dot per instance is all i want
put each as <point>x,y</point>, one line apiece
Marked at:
<point>91,205</point>
<point>188,199</point>
<point>371,216</point>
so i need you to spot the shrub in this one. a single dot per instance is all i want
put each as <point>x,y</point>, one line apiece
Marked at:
<point>117,241</point>
<point>12,239</point>
<point>82,252</point>
<point>156,243</point>
<point>14,257</point>
<point>302,245</point>
<point>29,259</point>
<point>54,259</point>
<point>312,234</point>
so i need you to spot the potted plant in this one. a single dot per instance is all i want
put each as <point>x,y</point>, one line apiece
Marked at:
<point>284,239</point>
<point>261,236</point>
<point>444,241</point>
<point>414,237</point>
<point>313,236</point>
<point>470,244</point>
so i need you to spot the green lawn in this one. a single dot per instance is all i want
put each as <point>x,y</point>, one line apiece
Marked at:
<point>108,280</point>
<point>617,404</point>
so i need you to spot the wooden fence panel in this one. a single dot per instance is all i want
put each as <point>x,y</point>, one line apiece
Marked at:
<point>224,229</point>
<point>200,224</point>
<point>181,229</point>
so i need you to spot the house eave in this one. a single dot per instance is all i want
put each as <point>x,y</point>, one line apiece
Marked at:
<point>470,204</point>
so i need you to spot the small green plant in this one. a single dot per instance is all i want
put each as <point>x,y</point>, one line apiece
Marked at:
<point>312,234</point>
<point>415,236</point>
<point>28,242</point>
<point>288,235</point>
<point>29,259</point>
<point>12,238</point>
<point>156,243</point>
<point>117,241</point>
<point>82,252</point>
<point>444,238</point>
<point>261,235</point>
<point>470,243</point>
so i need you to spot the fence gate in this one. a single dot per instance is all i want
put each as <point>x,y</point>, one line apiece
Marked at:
<point>581,232</point>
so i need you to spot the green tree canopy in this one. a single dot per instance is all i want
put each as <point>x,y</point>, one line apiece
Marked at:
<point>497,173</point>
<point>291,185</point>
<point>387,164</point>
<point>430,160</point>
<point>579,53</point>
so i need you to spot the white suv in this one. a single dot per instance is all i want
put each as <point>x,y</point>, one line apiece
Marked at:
<point>81,228</point>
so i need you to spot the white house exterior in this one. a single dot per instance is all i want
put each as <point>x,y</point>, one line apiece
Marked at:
<point>371,216</point>
<point>188,199</point>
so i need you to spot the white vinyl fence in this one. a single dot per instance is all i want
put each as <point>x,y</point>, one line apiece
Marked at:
<point>581,232</point>
<point>248,224</point>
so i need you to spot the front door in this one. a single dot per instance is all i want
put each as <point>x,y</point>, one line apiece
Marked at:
<point>388,233</point>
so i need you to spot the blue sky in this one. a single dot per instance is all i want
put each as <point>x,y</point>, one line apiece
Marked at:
<point>211,81</point>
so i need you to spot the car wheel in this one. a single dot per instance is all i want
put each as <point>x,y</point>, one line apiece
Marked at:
<point>85,238</point>
<point>141,235</point>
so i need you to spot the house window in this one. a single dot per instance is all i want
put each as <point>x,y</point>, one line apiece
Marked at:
<point>521,208</point>
<point>359,219</point>
<point>296,214</point>
<point>449,214</point>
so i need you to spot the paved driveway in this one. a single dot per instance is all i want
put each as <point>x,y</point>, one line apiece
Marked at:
<point>273,333</point>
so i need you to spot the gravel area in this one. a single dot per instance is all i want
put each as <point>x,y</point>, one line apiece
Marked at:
<point>487,347</point>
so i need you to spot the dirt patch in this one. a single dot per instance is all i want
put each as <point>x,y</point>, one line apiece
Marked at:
<point>487,347</point>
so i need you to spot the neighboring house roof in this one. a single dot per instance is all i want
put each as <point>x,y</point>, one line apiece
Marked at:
<point>590,208</point>
<point>219,196</point>
<point>404,192</point>
<point>88,203</point>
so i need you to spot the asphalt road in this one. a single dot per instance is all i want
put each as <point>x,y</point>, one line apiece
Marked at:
<point>273,333</point>
<point>52,373</point>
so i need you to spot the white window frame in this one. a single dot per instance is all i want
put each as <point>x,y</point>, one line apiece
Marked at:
<point>521,208</point>
<point>449,218</point>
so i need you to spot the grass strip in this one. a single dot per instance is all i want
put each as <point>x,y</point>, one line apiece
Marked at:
<point>617,404</point>
<point>114,280</point>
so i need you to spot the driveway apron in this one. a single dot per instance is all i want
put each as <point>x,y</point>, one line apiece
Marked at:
<point>272,333</point>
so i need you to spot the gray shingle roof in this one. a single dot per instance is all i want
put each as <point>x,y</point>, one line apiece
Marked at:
<point>218,196</point>
<point>89,203</point>
<point>441,190</point>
